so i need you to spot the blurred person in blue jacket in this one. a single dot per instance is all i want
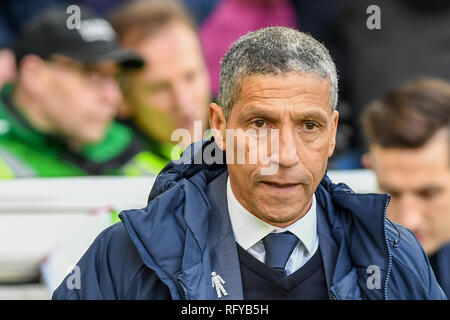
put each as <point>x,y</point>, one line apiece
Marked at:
<point>216,227</point>
<point>408,135</point>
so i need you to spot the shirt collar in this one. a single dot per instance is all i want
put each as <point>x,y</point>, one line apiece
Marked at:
<point>248,229</point>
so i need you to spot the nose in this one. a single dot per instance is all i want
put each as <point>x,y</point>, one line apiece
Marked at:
<point>410,212</point>
<point>111,93</point>
<point>287,153</point>
<point>184,100</point>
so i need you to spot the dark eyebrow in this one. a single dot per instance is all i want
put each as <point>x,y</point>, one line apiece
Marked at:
<point>254,112</point>
<point>313,114</point>
<point>419,190</point>
<point>388,189</point>
<point>428,189</point>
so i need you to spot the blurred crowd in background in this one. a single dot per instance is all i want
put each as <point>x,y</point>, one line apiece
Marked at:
<point>104,100</point>
<point>181,44</point>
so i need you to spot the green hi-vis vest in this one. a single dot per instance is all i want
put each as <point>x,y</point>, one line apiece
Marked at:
<point>25,152</point>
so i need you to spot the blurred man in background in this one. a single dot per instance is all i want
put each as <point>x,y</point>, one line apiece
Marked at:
<point>408,134</point>
<point>172,90</point>
<point>57,119</point>
<point>411,42</point>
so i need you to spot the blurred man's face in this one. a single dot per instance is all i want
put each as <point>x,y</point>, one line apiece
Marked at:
<point>419,183</point>
<point>173,89</point>
<point>79,101</point>
<point>298,108</point>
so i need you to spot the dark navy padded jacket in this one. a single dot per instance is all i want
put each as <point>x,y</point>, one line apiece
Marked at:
<point>169,249</point>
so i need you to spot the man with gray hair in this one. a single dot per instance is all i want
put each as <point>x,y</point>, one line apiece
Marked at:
<point>227,231</point>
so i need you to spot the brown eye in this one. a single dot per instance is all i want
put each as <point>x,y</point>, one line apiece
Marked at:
<point>259,123</point>
<point>309,126</point>
<point>430,193</point>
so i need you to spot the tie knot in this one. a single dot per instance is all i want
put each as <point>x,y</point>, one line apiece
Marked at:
<point>279,247</point>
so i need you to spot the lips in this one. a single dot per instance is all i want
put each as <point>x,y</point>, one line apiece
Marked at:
<point>281,187</point>
<point>281,184</point>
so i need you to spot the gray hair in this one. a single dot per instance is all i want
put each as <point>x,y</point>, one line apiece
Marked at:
<point>274,50</point>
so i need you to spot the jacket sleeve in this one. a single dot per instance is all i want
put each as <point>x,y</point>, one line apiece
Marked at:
<point>106,270</point>
<point>412,277</point>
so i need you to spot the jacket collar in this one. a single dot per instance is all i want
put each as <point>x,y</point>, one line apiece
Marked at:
<point>224,257</point>
<point>171,233</point>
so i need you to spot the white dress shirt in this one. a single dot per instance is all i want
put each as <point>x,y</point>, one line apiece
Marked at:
<point>249,231</point>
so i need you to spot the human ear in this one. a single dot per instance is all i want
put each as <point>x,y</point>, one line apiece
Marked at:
<point>218,124</point>
<point>33,72</point>
<point>334,124</point>
<point>366,161</point>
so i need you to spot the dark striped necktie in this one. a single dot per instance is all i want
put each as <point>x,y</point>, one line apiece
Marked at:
<point>279,247</point>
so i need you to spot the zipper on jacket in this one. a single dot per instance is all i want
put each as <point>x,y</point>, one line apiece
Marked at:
<point>333,295</point>
<point>388,272</point>
<point>183,289</point>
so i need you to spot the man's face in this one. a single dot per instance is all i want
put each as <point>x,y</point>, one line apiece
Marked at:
<point>297,106</point>
<point>80,101</point>
<point>172,91</point>
<point>419,183</point>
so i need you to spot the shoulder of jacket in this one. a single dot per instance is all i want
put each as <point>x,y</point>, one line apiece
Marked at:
<point>132,278</point>
<point>115,238</point>
<point>114,247</point>
<point>116,250</point>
